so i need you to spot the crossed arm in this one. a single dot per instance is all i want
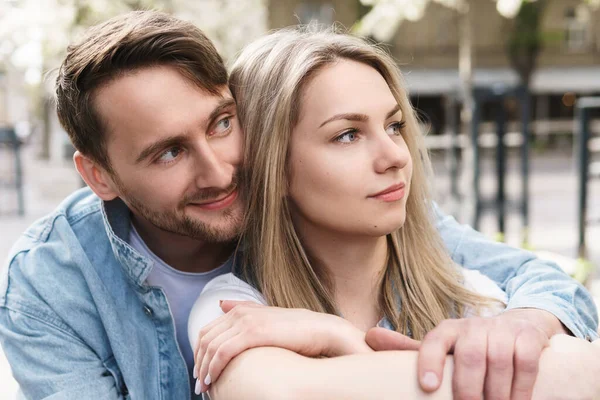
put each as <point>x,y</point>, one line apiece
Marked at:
<point>288,369</point>
<point>273,373</point>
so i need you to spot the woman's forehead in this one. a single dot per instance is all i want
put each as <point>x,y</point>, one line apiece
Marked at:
<point>346,87</point>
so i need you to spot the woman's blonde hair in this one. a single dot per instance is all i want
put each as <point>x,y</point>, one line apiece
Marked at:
<point>420,286</point>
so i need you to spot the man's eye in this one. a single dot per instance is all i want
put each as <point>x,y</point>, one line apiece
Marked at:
<point>223,125</point>
<point>170,155</point>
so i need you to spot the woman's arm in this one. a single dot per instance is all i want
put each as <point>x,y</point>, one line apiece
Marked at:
<point>568,370</point>
<point>217,337</point>
<point>273,373</point>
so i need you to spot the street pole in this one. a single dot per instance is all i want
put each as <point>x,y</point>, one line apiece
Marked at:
<point>465,71</point>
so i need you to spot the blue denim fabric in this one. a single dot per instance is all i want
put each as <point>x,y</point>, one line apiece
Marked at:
<point>78,322</point>
<point>529,282</point>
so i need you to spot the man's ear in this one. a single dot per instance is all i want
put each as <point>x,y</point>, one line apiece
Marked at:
<point>96,177</point>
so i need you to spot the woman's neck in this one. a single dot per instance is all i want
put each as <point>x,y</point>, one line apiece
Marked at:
<point>354,265</point>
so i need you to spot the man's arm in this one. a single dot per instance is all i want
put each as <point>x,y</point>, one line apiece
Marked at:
<point>46,361</point>
<point>47,357</point>
<point>528,281</point>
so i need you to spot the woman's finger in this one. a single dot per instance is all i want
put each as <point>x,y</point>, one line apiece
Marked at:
<point>204,379</point>
<point>207,329</point>
<point>228,305</point>
<point>229,349</point>
<point>207,335</point>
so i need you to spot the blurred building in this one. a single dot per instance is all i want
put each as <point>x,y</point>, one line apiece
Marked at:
<point>427,51</point>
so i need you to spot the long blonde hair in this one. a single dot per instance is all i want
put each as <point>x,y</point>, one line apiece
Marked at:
<point>267,81</point>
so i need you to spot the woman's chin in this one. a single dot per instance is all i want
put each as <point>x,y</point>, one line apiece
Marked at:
<point>386,227</point>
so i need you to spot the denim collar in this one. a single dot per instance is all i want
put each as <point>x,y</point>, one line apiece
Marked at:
<point>117,221</point>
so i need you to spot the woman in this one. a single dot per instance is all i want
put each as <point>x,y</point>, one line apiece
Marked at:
<point>339,217</point>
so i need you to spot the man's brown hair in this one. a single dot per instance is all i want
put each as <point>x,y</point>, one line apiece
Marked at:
<point>121,45</point>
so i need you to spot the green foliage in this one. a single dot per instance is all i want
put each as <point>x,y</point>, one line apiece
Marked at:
<point>526,38</point>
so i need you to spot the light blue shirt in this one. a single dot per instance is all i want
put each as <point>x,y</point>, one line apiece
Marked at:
<point>78,320</point>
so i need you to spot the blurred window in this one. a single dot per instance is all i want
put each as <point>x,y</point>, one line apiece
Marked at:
<point>577,24</point>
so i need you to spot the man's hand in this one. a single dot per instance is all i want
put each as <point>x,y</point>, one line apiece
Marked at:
<point>247,325</point>
<point>496,357</point>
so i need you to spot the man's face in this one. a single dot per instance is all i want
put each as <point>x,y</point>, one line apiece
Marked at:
<point>175,151</point>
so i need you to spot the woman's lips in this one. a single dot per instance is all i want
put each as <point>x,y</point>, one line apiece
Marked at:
<point>392,193</point>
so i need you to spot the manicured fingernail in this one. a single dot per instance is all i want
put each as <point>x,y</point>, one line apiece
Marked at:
<point>207,380</point>
<point>195,373</point>
<point>220,303</point>
<point>429,380</point>
<point>198,387</point>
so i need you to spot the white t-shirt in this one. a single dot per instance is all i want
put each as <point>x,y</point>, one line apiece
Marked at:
<point>180,288</point>
<point>229,287</point>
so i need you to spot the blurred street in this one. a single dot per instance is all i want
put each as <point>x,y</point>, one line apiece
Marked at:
<point>501,63</point>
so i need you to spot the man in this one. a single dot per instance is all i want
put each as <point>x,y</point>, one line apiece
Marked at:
<point>94,298</point>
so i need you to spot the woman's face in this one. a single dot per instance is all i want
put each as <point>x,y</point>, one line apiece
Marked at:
<point>350,168</point>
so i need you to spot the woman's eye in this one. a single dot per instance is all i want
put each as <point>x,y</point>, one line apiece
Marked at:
<point>396,128</point>
<point>170,155</point>
<point>223,125</point>
<point>347,137</point>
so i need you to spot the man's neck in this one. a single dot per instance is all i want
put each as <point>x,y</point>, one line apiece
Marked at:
<point>182,252</point>
<point>355,266</point>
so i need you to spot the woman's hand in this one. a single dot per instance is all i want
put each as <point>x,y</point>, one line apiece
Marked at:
<point>246,325</point>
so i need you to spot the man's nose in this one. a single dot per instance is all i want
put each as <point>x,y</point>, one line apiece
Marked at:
<point>211,170</point>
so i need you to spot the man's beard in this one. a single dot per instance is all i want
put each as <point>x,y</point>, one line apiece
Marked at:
<point>176,221</point>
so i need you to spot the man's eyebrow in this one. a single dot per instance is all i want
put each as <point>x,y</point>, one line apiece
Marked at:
<point>178,139</point>
<point>358,117</point>
<point>161,144</point>
<point>222,106</point>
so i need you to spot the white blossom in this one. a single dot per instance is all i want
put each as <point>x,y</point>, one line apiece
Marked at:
<point>508,8</point>
<point>385,17</point>
<point>34,34</point>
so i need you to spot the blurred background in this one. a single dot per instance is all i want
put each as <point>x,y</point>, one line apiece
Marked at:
<point>508,92</point>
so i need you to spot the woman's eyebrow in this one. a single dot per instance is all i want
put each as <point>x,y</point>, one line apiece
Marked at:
<point>393,111</point>
<point>358,117</point>
<point>347,116</point>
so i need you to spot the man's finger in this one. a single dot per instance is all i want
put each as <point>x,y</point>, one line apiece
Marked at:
<point>528,350</point>
<point>380,339</point>
<point>499,376</point>
<point>432,354</point>
<point>470,360</point>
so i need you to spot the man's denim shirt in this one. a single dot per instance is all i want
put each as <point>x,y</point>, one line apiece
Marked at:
<point>77,320</point>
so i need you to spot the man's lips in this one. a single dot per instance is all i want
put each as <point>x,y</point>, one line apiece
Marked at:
<point>392,193</point>
<point>218,204</point>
